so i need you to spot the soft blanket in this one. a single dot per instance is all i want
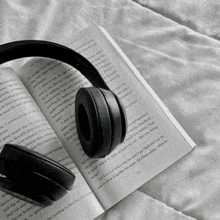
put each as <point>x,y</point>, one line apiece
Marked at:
<point>175,46</point>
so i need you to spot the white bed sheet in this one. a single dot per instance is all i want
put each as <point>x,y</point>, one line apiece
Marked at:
<point>175,45</point>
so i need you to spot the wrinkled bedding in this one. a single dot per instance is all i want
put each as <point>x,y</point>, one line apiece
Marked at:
<point>175,46</point>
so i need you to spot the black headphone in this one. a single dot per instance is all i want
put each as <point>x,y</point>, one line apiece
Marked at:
<point>100,120</point>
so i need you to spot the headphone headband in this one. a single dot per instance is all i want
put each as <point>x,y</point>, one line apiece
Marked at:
<point>37,48</point>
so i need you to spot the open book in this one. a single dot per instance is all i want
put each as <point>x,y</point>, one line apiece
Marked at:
<point>37,111</point>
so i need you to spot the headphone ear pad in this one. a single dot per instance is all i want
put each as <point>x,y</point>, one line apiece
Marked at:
<point>39,163</point>
<point>93,122</point>
<point>24,192</point>
<point>33,176</point>
<point>99,121</point>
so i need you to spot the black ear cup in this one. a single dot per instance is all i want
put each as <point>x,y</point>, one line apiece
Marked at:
<point>123,118</point>
<point>118,121</point>
<point>26,193</point>
<point>32,176</point>
<point>99,121</point>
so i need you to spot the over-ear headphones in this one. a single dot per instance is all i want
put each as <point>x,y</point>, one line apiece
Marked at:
<point>100,121</point>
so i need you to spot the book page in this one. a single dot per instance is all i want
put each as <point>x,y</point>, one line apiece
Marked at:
<point>152,143</point>
<point>23,123</point>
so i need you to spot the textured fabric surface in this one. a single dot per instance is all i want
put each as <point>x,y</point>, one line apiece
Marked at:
<point>174,45</point>
<point>199,15</point>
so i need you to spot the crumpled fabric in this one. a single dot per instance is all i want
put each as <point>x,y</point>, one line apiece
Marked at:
<point>175,46</point>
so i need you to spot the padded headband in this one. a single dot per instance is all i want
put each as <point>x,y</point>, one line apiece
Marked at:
<point>37,48</point>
